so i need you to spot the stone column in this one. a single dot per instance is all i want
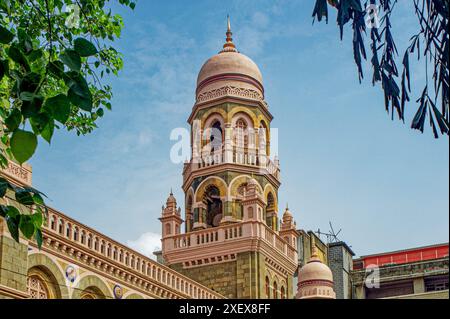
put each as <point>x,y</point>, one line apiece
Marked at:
<point>228,147</point>
<point>199,216</point>
<point>228,212</point>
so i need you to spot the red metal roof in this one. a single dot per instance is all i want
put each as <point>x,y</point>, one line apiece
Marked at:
<point>402,256</point>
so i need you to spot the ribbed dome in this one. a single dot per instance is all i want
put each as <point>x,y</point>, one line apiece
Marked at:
<point>171,199</point>
<point>287,216</point>
<point>315,270</point>
<point>229,63</point>
<point>230,73</point>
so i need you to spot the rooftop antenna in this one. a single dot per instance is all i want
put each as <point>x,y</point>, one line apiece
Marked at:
<point>331,235</point>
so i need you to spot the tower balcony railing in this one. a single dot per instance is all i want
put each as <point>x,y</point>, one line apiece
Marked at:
<point>230,233</point>
<point>240,156</point>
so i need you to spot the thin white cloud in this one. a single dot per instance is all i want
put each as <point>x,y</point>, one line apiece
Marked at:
<point>146,244</point>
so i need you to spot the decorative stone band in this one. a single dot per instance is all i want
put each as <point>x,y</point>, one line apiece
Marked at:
<point>231,91</point>
<point>12,293</point>
<point>230,77</point>
<point>324,283</point>
<point>73,241</point>
<point>20,174</point>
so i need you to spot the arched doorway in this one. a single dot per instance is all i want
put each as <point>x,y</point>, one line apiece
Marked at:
<point>92,293</point>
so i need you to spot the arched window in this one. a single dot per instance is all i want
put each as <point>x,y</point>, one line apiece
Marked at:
<point>282,293</point>
<point>263,136</point>
<point>53,223</point>
<point>75,234</point>
<point>61,226</point>
<point>275,290</point>
<point>241,137</point>
<point>214,206</point>
<point>267,288</point>
<point>41,284</point>
<point>68,230</point>
<point>216,137</point>
<point>189,215</point>
<point>270,210</point>
<point>37,289</point>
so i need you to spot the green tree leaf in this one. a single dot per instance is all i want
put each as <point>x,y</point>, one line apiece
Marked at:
<point>72,59</point>
<point>79,92</point>
<point>17,56</point>
<point>27,226</point>
<point>13,120</point>
<point>37,219</point>
<point>43,125</point>
<point>6,36</point>
<point>4,185</point>
<point>84,47</point>
<point>59,107</point>
<point>39,238</point>
<point>4,68</point>
<point>13,220</point>
<point>23,145</point>
<point>24,197</point>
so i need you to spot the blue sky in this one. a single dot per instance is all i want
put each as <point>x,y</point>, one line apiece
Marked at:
<point>342,158</point>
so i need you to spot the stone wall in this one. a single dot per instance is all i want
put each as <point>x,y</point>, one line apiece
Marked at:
<point>242,278</point>
<point>221,278</point>
<point>13,264</point>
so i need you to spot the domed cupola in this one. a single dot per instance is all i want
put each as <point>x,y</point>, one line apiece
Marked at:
<point>315,279</point>
<point>229,73</point>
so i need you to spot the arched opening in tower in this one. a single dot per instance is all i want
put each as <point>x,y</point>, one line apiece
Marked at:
<point>216,137</point>
<point>213,206</point>
<point>270,211</point>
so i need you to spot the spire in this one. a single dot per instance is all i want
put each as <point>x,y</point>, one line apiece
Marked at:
<point>314,252</point>
<point>229,45</point>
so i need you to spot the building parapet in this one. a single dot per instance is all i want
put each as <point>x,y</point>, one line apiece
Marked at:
<point>229,234</point>
<point>83,244</point>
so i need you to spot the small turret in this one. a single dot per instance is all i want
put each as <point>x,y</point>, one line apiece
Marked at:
<point>288,227</point>
<point>171,217</point>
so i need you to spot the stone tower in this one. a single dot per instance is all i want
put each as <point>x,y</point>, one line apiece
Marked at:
<point>232,242</point>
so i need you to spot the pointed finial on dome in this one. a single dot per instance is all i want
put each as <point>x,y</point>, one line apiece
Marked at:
<point>229,45</point>
<point>314,252</point>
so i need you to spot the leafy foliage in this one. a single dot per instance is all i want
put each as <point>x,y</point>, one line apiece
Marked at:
<point>29,224</point>
<point>54,56</point>
<point>431,43</point>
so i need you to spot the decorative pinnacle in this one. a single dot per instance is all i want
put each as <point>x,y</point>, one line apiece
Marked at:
<point>229,45</point>
<point>314,253</point>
